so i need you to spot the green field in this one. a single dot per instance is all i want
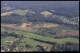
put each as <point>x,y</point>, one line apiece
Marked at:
<point>31,35</point>
<point>2,29</point>
<point>63,40</point>
<point>7,38</point>
<point>30,42</point>
<point>20,12</point>
<point>35,43</point>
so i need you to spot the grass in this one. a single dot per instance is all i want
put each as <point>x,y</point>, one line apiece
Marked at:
<point>7,38</point>
<point>20,12</point>
<point>62,40</point>
<point>31,35</point>
<point>33,42</point>
<point>2,29</point>
<point>30,42</point>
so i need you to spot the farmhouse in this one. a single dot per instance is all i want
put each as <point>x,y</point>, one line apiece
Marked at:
<point>46,46</point>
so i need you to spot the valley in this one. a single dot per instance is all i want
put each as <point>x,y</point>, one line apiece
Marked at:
<point>39,27</point>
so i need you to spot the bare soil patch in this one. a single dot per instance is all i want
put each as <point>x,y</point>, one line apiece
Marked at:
<point>6,13</point>
<point>45,13</point>
<point>25,25</point>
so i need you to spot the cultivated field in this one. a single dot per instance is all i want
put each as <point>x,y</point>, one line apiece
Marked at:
<point>48,25</point>
<point>6,13</point>
<point>30,42</point>
<point>3,41</point>
<point>69,32</point>
<point>20,12</point>
<point>31,35</point>
<point>45,13</point>
<point>34,43</point>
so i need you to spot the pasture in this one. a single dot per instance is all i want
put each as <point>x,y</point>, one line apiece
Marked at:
<point>3,41</point>
<point>2,29</point>
<point>31,35</point>
<point>20,12</point>
<point>30,42</point>
<point>45,13</point>
<point>34,43</point>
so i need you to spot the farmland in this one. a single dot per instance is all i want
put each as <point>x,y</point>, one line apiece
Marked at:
<point>20,12</point>
<point>39,26</point>
<point>34,43</point>
<point>46,13</point>
<point>26,32</point>
<point>3,41</point>
<point>31,35</point>
<point>2,29</point>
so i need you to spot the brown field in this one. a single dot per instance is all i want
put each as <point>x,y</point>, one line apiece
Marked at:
<point>6,13</point>
<point>74,33</point>
<point>13,26</point>
<point>14,11</point>
<point>48,25</point>
<point>29,27</point>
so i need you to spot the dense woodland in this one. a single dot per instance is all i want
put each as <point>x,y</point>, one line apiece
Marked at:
<point>68,8</point>
<point>5,34</point>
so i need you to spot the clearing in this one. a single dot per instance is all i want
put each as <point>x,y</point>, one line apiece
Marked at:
<point>45,13</point>
<point>48,25</point>
<point>3,41</point>
<point>20,12</point>
<point>6,13</point>
<point>25,24</point>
